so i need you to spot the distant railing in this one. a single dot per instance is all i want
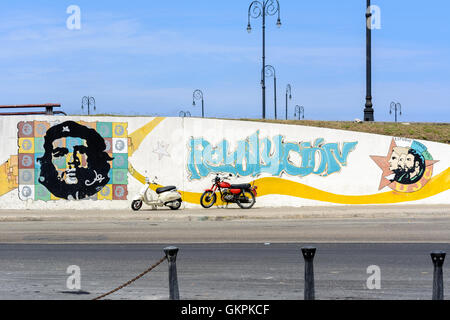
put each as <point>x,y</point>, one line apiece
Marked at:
<point>48,109</point>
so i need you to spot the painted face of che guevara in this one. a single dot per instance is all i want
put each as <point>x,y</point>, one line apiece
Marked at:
<point>75,155</point>
<point>80,151</point>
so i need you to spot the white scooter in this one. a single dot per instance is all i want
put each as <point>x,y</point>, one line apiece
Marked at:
<point>164,196</point>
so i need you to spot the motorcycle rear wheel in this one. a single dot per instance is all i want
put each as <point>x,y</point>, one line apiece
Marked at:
<point>208,199</point>
<point>175,205</point>
<point>249,199</point>
<point>136,205</point>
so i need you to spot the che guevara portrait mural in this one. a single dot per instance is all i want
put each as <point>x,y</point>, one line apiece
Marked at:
<point>73,160</point>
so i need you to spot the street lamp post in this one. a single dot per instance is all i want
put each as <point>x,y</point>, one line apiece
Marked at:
<point>395,107</point>
<point>288,91</point>
<point>300,111</point>
<point>368,110</point>
<point>262,9</point>
<point>183,114</point>
<point>198,95</point>
<point>88,101</point>
<point>270,72</point>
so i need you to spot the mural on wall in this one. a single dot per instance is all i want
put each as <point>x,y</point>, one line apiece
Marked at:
<point>72,160</point>
<point>9,175</point>
<point>406,167</point>
<point>161,150</point>
<point>407,179</point>
<point>254,156</point>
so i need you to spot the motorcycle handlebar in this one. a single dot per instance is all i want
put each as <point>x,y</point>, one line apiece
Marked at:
<point>147,180</point>
<point>223,175</point>
<point>221,178</point>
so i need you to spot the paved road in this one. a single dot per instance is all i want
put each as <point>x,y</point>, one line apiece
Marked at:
<point>399,230</point>
<point>219,271</point>
<point>224,253</point>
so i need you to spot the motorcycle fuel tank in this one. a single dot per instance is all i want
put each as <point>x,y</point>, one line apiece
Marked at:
<point>224,185</point>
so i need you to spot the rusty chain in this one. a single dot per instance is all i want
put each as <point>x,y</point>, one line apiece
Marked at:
<point>132,280</point>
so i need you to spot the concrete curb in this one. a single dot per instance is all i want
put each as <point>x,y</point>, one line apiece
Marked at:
<point>220,214</point>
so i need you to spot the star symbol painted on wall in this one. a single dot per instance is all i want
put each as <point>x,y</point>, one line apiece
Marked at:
<point>161,150</point>
<point>383,163</point>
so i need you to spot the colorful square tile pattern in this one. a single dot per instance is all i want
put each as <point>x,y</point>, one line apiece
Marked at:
<point>31,138</point>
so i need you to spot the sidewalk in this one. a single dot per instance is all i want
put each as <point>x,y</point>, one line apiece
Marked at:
<point>231,213</point>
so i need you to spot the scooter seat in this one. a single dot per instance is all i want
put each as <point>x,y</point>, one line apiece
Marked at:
<point>244,186</point>
<point>165,189</point>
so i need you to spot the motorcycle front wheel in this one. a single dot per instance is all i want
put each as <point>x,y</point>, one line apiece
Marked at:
<point>208,199</point>
<point>246,200</point>
<point>136,205</point>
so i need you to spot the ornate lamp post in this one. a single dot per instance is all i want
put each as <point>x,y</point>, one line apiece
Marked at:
<point>262,9</point>
<point>198,95</point>
<point>395,107</point>
<point>88,101</point>
<point>368,110</point>
<point>300,111</point>
<point>270,72</point>
<point>288,91</point>
<point>183,114</point>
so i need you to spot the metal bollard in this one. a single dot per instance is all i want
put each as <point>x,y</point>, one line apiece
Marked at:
<point>171,254</point>
<point>438,258</point>
<point>308,255</point>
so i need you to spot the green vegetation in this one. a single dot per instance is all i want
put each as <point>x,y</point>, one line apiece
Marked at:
<point>439,132</point>
<point>430,131</point>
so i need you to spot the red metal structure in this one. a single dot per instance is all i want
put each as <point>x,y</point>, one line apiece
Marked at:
<point>48,109</point>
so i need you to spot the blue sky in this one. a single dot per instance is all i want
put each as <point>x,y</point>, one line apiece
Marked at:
<point>147,57</point>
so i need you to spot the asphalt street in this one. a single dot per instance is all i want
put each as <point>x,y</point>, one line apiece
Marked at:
<point>260,271</point>
<point>224,253</point>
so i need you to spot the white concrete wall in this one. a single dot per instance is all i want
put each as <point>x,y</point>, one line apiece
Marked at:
<point>164,152</point>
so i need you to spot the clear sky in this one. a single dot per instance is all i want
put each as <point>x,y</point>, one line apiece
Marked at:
<point>147,57</point>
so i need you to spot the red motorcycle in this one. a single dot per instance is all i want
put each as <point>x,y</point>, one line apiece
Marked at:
<point>242,194</point>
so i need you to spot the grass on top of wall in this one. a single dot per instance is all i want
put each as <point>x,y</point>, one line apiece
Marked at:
<point>430,131</point>
<point>438,132</point>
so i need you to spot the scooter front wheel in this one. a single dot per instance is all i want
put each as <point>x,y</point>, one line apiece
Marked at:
<point>136,205</point>
<point>208,199</point>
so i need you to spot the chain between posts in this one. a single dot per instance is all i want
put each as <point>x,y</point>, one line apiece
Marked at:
<point>132,280</point>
